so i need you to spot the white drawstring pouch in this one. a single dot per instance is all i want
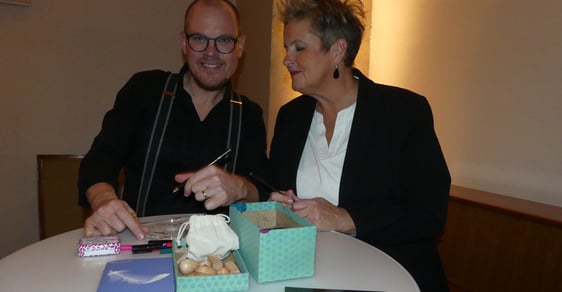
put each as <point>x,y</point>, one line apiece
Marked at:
<point>208,234</point>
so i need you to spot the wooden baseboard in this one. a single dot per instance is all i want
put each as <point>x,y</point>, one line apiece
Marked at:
<point>497,243</point>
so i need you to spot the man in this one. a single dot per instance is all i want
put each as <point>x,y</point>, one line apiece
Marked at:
<point>200,125</point>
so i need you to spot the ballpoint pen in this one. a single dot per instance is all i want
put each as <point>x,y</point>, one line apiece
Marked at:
<point>223,157</point>
<point>270,188</point>
<point>265,184</point>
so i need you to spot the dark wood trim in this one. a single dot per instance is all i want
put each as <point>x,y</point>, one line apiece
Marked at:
<point>495,242</point>
<point>41,195</point>
<point>518,207</point>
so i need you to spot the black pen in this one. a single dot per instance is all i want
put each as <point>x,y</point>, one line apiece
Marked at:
<point>220,159</point>
<point>145,248</point>
<point>162,241</point>
<point>265,184</point>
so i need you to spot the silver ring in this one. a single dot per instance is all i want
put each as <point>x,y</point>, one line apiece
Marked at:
<point>204,194</point>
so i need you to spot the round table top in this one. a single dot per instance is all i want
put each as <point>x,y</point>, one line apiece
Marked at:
<point>342,262</point>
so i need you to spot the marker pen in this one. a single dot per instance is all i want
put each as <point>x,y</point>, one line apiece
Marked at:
<point>146,247</point>
<point>156,251</point>
<point>159,241</point>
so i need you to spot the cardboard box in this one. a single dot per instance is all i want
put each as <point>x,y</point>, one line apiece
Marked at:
<point>275,243</point>
<point>223,283</point>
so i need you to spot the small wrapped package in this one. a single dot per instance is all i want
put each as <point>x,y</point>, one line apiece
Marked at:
<point>97,246</point>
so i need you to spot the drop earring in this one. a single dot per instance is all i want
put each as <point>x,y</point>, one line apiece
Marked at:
<point>336,73</point>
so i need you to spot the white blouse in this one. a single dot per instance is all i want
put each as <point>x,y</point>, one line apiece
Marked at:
<point>321,165</point>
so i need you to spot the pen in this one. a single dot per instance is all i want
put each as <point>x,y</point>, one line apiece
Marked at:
<point>269,187</point>
<point>160,251</point>
<point>223,157</point>
<point>159,241</point>
<point>157,251</point>
<point>265,184</point>
<point>146,247</point>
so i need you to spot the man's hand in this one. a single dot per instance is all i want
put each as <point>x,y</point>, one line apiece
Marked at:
<point>216,187</point>
<point>110,214</point>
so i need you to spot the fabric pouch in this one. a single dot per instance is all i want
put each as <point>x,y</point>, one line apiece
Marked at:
<point>208,234</point>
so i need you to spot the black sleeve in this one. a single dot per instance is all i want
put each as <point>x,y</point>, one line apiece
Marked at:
<point>414,207</point>
<point>112,145</point>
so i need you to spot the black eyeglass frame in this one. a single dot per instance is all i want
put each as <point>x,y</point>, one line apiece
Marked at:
<point>231,38</point>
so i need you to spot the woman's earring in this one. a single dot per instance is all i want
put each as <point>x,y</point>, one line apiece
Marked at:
<point>336,73</point>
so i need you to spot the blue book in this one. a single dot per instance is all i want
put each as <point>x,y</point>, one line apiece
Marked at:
<point>144,274</point>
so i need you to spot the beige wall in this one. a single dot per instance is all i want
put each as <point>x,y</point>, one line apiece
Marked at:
<point>61,64</point>
<point>491,70</point>
<point>253,80</point>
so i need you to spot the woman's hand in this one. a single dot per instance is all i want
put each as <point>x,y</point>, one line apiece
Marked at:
<point>324,215</point>
<point>317,211</point>
<point>286,198</point>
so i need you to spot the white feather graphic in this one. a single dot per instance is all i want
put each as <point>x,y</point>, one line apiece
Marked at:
<point>125,276</point>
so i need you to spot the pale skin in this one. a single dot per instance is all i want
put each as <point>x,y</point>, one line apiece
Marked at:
<point>209,72</point>
<point>311,67</point>
<point>221,188</point>
<point>110,214</point>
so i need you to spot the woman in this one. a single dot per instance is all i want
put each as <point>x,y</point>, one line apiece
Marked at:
<point>362,157</point>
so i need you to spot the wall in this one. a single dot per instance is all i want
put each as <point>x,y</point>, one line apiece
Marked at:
<point>61,63</point>
<point>492,72</point>
<point>253,80</point>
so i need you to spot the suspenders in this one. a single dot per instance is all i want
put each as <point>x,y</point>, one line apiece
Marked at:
<point>234,129</point>
<point>159,129</point>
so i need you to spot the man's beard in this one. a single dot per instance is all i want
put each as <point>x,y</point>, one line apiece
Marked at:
<point>209,87</point>
<point>206,85</point>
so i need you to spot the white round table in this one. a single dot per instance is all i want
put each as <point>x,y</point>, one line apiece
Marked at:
<point>342,262</point>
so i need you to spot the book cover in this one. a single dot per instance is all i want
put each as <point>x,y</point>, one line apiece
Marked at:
<point>143,274</point>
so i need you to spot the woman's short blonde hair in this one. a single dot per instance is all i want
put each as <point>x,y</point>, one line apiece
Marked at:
<point>330,20</point>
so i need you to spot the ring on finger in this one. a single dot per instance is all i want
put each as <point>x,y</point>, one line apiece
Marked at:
<point>204,194</point>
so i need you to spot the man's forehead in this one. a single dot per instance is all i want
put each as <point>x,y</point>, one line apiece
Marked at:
<point>212,17</point>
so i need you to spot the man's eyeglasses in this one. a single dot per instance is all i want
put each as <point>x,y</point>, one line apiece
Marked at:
<point>199,42</point>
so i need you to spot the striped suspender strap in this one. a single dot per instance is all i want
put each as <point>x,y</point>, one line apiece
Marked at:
<point>234,130</point>
<point>155,142</point>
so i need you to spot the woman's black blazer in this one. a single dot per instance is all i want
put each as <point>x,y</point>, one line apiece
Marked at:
<point>395,182</point>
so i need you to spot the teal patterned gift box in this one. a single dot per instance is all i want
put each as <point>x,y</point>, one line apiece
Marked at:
<point>275,243</point>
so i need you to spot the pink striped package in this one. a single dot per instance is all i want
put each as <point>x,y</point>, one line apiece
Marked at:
<point>96,246</point>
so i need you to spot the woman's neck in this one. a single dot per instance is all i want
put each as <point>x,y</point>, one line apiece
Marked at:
<point>339,97</point>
